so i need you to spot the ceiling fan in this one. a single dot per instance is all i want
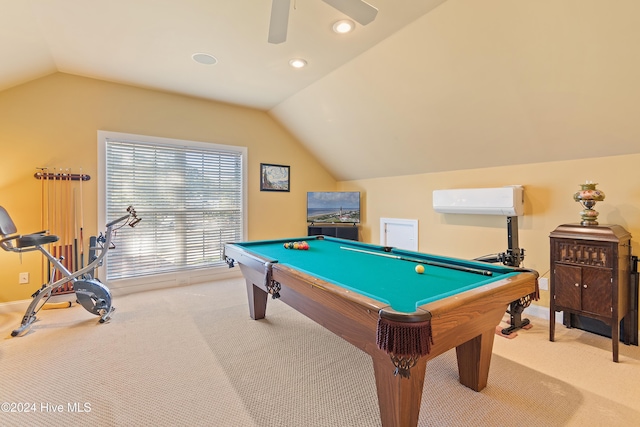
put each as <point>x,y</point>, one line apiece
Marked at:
<point>358,10</point>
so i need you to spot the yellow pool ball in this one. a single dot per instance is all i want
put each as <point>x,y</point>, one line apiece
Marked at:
<point>419,268</point>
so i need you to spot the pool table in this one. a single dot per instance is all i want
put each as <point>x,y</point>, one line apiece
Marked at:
<point>373,297</point>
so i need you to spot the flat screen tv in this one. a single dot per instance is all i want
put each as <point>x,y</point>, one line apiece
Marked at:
<point>330,207</point>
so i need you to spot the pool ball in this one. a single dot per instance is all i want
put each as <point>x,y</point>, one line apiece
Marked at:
<point>419,268</point>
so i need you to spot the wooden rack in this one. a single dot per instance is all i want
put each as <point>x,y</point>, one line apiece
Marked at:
<point>62,176</point>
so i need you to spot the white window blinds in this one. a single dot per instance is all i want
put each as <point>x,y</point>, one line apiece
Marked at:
<point>190,201</point>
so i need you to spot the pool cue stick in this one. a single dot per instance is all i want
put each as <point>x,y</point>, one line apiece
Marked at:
<point>63,217</point>
<point>69,226</point>
<point>48,209</point>
<point>420,261</point>
<point>60,217</point>
<point>60,225</point>
<point>41,197</point>
<point>70,216</point>
<point>42,218</point>
<point>54,216</point>
<point>81,222</point>
<point>67,222</point>
<point>75,230</point>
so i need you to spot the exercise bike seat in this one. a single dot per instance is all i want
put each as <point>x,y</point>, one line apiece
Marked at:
<point>35,239</point>
<point>18,242</point>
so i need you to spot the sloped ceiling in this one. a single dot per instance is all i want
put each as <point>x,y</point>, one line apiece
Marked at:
<point>429,86</point>
<point>479,84</point>
<point>149,43</point>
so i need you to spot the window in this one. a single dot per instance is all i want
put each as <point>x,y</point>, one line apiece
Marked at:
<point>190,198</point>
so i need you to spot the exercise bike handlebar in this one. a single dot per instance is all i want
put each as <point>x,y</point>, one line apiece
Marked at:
<point>131,215</point>
<point>119,220</point>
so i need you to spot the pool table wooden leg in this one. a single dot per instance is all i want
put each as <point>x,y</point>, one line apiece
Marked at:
<point>399,398</point>
<point>257,301</point>
<point>474,358</point>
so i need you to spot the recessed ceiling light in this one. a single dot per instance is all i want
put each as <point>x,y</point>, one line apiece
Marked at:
<point>344,26</point>
<point>298,63</point>
<point>204,58</point>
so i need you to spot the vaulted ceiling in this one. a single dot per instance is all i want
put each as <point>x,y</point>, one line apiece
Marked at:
<point>150,43</point>
<point>428,86</point>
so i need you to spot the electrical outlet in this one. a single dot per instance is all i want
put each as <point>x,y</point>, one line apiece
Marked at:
<point>23,278</point>
<point>543,283</point>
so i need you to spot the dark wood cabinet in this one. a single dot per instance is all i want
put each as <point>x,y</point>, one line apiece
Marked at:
<point>341,231</point>
<point>590,276</point>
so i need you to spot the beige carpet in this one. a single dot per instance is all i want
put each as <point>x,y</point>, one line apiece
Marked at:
<point>192,356</point>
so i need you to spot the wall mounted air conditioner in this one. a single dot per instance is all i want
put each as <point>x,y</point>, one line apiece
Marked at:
<point>508,201</point>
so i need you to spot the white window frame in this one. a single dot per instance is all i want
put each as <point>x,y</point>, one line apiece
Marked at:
<point>184,277</point>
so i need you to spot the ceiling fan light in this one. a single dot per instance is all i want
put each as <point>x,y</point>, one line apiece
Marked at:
<point>344,26</point>
<point>298,63</point>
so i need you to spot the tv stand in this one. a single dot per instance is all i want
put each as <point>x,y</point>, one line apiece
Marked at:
<point>342,231</point>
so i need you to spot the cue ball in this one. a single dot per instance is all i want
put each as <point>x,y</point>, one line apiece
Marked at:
<point>419,269</point>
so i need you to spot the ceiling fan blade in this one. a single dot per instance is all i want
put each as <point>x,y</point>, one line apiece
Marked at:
<point>358,10</point>
<point>279,21</point>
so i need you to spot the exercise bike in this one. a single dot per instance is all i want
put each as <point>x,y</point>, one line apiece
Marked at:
<point>92,294</point>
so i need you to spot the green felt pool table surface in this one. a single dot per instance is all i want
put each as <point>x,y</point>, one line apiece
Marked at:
<point>372,271</point>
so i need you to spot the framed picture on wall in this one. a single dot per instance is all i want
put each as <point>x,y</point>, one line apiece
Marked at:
<point>274,177</point>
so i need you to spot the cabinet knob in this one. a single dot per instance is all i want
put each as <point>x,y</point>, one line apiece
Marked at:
<point>584,286</point>
<point>577,285</point>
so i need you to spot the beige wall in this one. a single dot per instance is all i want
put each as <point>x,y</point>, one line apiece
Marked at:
<point>53,122</point>
<point>548,190</point>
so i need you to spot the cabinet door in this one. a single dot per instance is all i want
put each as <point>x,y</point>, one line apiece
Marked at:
<point>350,233</point>
<point>597,291</point>
<point>314,231</point>
<point>567,279</point>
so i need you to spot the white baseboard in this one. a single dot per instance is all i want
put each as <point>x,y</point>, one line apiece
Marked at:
<point>172,281</point>
<point>541,312</point>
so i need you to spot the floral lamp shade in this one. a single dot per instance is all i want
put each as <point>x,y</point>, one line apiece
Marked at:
<point>587,197</point>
